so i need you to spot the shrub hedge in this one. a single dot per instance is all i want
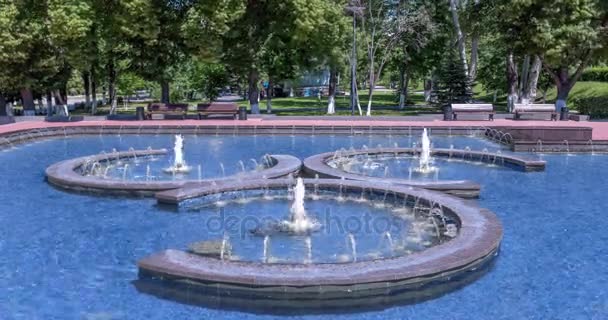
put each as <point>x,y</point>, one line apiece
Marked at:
<point>595,74</point>
<point>595,107</point>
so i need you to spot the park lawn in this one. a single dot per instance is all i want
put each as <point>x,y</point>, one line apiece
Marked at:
<point>383,103</point>
<point>582,89</point>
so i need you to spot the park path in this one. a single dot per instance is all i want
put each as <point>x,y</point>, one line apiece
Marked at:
<point>600,129</point>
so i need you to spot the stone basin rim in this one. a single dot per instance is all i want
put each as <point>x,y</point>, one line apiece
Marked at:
<point>63,174</point>
<point>479,236</point>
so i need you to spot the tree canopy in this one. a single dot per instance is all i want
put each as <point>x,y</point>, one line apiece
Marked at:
<point>202,46</point>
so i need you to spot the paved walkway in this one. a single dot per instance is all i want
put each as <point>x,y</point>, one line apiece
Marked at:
<point>600,129</point>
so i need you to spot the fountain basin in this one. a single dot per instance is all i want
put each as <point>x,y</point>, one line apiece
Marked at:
<point>66,175</point>
<point>328,284</point>
<point>320,165</point>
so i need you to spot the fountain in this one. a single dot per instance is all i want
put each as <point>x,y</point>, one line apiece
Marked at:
<point>425,161</point>
<point>308,242</point>
<point>299,222</point>
<point>353,246</point>
<point>266,247</point>
<point>179,164</point>
<point>389,239</point>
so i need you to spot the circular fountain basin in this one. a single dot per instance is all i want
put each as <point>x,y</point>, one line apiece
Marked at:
<point>71,175</point>
<point>351,165</point>
<point>380,279</point>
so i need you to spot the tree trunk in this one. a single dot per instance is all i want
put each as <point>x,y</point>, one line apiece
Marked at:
<point>112,87</point>
<point>428,89</point>
<point>28,101</point>
<point>523,82</point>
<point>372,84</point>
<point>164,91</point>
<point>563,91</point>
<point>60,103</point>
<point>93,92</point>
<point>404,81</point>
<point>269,96</point>
<point>49,103</point>
<point>474,49</point>
<point>3,112</point>
<point>459,36</point>
<point>104,95</point>
<point>474,57</point>
<point>354,100</point>
<point>331,94</point>
<point>254,92</point>
<point>63,91</point>
<point>86,79</point>
<point>512,78</point>
<point>530,90</point>
<point>40,105</point>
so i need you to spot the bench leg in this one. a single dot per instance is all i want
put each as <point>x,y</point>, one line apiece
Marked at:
<point>454,116</point>
<point>554,116</point>
<point>517,116</point>
<point>491,117</point>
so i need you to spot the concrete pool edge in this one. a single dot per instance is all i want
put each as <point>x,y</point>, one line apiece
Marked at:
<point>317,165</point>
<point>479,237</point>
<point>63,175</point>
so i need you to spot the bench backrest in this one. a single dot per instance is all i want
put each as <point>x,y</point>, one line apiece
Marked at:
<point>534,107</point>
<point>218,106</point>
<point>472,107</point>
<point>177,107</point>
<point>156,106</point>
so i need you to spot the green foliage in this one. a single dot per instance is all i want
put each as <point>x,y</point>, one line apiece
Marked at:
<point>452,85</point>
<point>595,107</point>
<point>595,74</point>
<point>492,66</point>
<point>209,78</point>
<point>128,83</point>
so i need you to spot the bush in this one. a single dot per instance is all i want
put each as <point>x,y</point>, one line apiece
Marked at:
<point>595,107</point>
<point>595,74</point>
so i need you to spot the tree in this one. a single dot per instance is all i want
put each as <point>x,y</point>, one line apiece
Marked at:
<point>473,14</point>
<point>264,32</point>
<point>565,34</point>
<point>158,46</point>
<point>28,57</point>
<point>415,48</point>
<point>209,78</point>
<point>385,24</point>
<point>453,84</point>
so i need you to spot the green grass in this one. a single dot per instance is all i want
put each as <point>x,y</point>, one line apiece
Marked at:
<point>384,103</point>
<point>582,89</point>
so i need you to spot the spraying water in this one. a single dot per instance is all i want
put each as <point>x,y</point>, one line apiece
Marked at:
<point>299,221</point>
<point>308,250</point>
<point>389,238</point>
<point>223,249</point>
<point>266,247</point>
<point>179,164</point>
<point>353,246</point>
<point>425,155</point>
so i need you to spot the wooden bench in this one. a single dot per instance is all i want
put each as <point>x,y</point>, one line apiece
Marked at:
<point>217,108</point>
<point>533,109</point>
<point>472,108</point>
<point>174,110</point>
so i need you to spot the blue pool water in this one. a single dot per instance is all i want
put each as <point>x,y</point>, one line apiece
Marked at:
<point>72,256</point>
